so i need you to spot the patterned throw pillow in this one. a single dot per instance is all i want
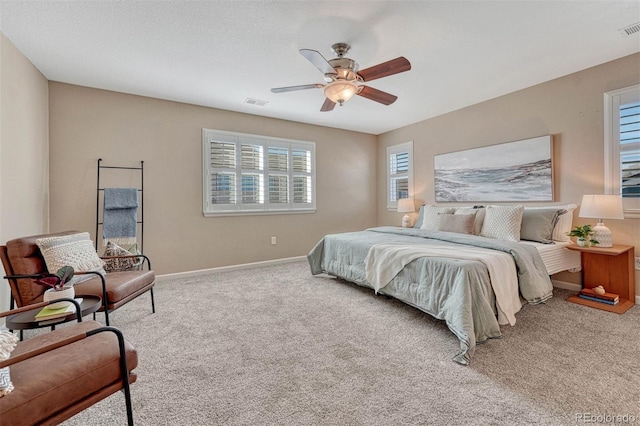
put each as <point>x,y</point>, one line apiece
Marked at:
<point>120,264</point>
<point>431,218</point>
<point>75,250</point>
<point>502,222</point>
<point>8,342</point>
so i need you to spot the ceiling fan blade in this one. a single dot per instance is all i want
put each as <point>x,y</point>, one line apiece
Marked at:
<point>377,95</point>
<point>318,61</point>
<point>328,105</point>
<point>385,69</point>
<point>293,88</point>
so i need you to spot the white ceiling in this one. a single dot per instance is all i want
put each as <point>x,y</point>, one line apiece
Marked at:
<point>219,53</point>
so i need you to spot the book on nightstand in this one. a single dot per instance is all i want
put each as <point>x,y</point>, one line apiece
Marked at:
<point>595,299</point>
<point>611,297</point>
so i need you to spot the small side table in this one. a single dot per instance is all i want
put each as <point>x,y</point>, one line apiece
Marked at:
<point>611,267</point>
<point>27,320</point>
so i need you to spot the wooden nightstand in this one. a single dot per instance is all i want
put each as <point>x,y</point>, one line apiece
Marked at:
<point>611,267</point>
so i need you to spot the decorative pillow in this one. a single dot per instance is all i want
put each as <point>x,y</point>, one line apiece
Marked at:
<point>537,225</point>
<point>502,222</point>
<point>120,264</point>
<point>460,223</point>
<point>74,250</point>
<point>565,221</point>
<point>431,217</point>
<point>479,213</point>
<point>8,342</point>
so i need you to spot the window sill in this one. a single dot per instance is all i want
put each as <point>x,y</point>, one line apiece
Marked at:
<point>256,213</point>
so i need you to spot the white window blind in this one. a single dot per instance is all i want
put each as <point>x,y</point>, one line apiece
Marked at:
<point>255,174</point>
<point>399,173</point>
<point>630,150</point>
<point>622,147</point>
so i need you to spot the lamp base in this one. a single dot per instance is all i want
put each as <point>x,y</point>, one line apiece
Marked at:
<point>406,221</point>
<point>602,234</point>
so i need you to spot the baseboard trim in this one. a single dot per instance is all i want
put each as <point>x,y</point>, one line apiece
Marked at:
<point>200,272</point>
<point>577,287</point>
<point>566,285</point>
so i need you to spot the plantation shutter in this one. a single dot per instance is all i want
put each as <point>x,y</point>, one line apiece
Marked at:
<point>278,164</point>
<point>302,190</point>
<point>255,174</point>
<point>630,150</point>
<point>252,166</point>
<point>223,174</point>
<point>399,176</point>
<point>399,173</point>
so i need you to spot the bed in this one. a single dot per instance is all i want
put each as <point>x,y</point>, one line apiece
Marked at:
<point>471,280</point>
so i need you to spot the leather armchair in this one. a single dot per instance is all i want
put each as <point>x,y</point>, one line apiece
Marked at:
<point>58,374</point>
<point>23,262</point>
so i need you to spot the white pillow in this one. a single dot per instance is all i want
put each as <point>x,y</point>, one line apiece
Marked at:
<point>75,250</point>
<point>431,218</point>
<point>565,221</point>
<point>479,220</point>
<point>502,222</point>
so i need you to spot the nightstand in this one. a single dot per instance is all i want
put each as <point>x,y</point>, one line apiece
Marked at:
<point>611,267</point>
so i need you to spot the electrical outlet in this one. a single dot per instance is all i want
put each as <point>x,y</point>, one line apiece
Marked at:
<point>273,241</point>
<point>637,263</point>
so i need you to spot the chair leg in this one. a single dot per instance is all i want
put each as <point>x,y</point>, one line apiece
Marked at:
<point>153,305</point>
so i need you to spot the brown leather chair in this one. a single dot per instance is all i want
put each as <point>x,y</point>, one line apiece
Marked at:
<point>58,374</point>
<point>23,263</point>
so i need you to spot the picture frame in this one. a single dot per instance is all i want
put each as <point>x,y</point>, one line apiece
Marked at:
<point>519,171</point>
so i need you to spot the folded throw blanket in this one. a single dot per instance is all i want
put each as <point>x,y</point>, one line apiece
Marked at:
<point>120,216</point>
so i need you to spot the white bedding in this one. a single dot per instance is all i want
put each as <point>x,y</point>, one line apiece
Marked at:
<point>556,257</point>
<point>385,261</point>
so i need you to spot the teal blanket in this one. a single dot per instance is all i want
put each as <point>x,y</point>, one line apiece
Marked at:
<point>454,290</point>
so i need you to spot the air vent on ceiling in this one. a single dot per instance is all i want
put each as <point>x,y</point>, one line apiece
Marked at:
<point>256,102</point>
<point>630,29</point>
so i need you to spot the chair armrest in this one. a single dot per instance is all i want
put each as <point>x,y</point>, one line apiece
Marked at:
<point>105,302</point>
<point>61,343</point>
<point>41,350</point>
<point>19,276</point>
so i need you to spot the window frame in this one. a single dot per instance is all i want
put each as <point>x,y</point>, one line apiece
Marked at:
<point>612,167</point>
<point>392,204</point>
<point>265,207</point>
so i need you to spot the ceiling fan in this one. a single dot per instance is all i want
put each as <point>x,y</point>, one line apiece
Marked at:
<point>344,80</point>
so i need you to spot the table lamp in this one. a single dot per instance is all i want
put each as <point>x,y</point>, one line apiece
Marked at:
<point>406,205</point>
<point>602,207</point>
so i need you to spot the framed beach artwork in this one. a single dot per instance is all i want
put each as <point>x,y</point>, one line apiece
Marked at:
<point>513,171</point>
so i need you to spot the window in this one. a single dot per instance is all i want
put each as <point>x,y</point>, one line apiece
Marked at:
<point>255,174</point>
<point>399,173</point>
<point>622,147</point>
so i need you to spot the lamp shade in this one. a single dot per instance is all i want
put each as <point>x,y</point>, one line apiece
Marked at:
<point>340,91</point>
<point>406,205</point>
<point>602,207</point>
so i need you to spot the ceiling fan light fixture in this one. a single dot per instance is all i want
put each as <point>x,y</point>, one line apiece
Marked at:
<point>340,91</point>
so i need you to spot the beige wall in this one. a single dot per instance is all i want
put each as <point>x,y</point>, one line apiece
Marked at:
<point>24,151</point>
<point>87,124</point>
<point>569,108</point>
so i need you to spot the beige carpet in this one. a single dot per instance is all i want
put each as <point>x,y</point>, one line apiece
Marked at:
<point>276,345</point>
